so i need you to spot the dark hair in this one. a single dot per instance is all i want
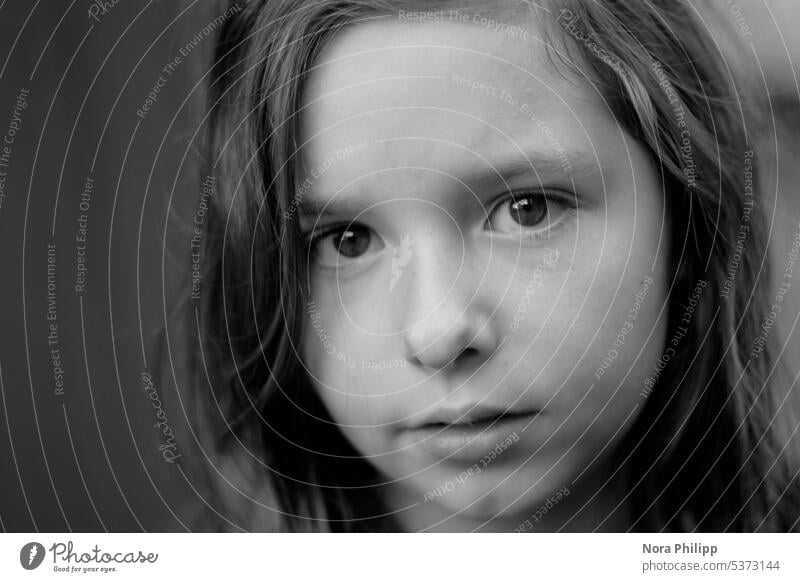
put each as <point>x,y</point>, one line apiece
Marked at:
<point>706,451</point>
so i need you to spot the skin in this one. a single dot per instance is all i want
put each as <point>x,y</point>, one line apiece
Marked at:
<point>478,309</point>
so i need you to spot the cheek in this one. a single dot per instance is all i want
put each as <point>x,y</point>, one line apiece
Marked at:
<point>346,390</point>
<point>626,331</point>
<point>590,361</point>
<point>334,378</point>
<point>356,385</point>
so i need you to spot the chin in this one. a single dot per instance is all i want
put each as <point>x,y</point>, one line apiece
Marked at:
<point>484,504</point>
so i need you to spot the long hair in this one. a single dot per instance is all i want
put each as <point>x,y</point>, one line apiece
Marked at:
<point>705,453</point>
<point>708,451</point>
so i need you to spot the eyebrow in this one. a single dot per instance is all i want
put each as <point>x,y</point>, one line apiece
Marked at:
<point>502,169</point>
<point>561,165</point>
<point>338,207</point>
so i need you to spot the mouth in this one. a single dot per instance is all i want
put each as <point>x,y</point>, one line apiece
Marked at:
<point>480,423</point>
<point>472,436</point>
<point>470,417</point>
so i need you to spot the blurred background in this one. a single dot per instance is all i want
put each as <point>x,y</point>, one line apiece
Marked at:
<point>95,189</point>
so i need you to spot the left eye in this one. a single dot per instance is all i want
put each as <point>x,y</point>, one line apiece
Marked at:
<point>340,245</point>
<point>528,214</point>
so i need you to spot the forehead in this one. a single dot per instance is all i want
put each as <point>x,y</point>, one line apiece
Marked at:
<point>442,94</point>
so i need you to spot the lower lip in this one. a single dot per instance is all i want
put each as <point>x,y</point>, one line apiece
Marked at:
<point>463,442</point>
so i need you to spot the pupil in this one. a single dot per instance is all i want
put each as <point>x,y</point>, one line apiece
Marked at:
<point>352,242</point>
<point>529,211</point>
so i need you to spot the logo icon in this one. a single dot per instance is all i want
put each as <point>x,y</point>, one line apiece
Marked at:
<point>402,255</point>
<point>31,555</point>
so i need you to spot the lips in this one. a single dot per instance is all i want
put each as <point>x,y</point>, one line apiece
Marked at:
<point>468,436</point>
<point>474,416</point>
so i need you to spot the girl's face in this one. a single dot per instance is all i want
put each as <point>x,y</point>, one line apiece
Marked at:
<point>488,268</point>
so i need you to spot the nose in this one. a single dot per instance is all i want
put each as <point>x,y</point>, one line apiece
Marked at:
<point>446,320</point>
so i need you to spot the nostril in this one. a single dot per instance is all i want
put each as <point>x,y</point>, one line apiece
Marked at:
<point>466,355</point>
<point>469,352</point>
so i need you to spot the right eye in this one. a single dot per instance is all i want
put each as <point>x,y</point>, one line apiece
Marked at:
<point>343,245</point>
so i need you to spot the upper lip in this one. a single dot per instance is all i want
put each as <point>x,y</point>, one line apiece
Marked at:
<point>466,415</point>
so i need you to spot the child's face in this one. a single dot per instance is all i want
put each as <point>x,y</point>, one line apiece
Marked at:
<point>438,299</point>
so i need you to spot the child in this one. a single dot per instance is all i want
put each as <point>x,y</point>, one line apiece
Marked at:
<point>484,267</point>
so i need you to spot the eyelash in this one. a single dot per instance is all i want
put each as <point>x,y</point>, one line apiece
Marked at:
<point>313,239</point>
<point>568,200</point>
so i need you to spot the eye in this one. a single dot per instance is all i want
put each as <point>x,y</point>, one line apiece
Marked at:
<point>338,246</point>
<point>534,215</point>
